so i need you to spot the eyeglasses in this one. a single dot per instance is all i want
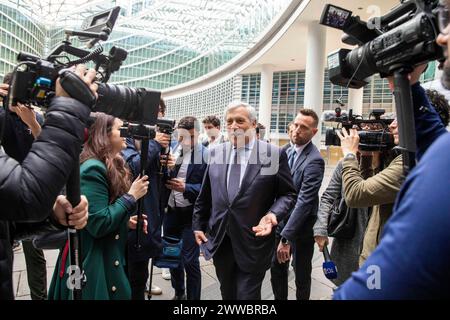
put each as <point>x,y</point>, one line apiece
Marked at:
<point>443,17</point>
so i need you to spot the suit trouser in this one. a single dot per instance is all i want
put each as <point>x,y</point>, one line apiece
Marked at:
<point>279,275</point>
<point>303,251</point>
<point>178,224</point>
<point>36,270</point>
<point>235,284</point>
<point>302,254</point>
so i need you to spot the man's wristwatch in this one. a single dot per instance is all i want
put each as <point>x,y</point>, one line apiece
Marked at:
<point>350,156</point>
<point>285,241</point>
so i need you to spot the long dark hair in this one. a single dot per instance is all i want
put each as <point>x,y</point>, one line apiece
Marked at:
<point>98,147</point>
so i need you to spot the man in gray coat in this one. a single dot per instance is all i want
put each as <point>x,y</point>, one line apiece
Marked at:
<point>246,190</point>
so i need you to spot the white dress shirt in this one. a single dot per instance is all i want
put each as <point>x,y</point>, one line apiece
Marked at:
<point>176,198</point>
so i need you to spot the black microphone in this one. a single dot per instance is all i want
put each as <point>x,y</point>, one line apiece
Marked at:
<point>328,266</point>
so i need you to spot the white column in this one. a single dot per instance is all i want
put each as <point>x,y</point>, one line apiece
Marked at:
<point>265,97</point>
<point>315,67</point>
<point>355,100</point>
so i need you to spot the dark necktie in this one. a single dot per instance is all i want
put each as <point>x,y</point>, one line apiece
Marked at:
<point>179,162</point>
<point>235,177</point>
<point>292,158</point>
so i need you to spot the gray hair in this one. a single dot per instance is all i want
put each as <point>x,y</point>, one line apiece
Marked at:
<point>237,104</point>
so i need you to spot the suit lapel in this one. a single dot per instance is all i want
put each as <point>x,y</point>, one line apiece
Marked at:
<point>289,151</point>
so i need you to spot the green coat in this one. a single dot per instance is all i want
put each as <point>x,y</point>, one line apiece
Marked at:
<point>103,242</point>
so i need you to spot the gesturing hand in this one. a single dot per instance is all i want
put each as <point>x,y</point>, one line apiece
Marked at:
<point>264,228</point>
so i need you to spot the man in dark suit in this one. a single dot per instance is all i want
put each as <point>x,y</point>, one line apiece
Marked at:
<point>184,187</point>
<point>307,169</point>
<point>246,190</point>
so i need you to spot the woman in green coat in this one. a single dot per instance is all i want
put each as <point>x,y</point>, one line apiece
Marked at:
<point>105,181</point>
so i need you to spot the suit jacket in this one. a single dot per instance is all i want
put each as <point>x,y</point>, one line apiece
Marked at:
<point>282,223</point>
<point>266,186</point>
<point>307,174</point>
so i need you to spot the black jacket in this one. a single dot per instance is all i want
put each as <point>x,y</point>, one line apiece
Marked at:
<point>28,191</point>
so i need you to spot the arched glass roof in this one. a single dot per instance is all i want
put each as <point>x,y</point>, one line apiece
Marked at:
<point>170,42</point>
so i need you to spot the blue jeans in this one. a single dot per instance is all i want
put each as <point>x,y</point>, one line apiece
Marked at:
<point>178,224</point>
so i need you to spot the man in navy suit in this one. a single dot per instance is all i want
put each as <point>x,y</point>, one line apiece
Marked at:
<point>246,190</point>
<point>184,187</point>
<point>307,169</point>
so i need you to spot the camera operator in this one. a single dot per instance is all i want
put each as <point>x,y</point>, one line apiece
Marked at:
<point>138,260</point>
<point>410,261</point>
<point>20,126</point>
<point>28,191</point>
<point>378,191</point>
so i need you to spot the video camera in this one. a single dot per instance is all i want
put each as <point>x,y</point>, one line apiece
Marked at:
<point>137,131</point>
<point>373,133</point>
<point>403,37</point>
<point>34,78</point>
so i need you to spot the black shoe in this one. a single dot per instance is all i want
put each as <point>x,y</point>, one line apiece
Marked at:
<point>180,297</point>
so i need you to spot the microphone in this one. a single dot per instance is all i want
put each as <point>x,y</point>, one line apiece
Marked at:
<point>329,268</point>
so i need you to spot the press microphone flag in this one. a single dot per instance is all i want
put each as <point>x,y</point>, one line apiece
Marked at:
<point>328,266</point>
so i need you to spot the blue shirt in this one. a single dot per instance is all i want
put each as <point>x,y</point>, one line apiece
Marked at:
<point>412,260</point>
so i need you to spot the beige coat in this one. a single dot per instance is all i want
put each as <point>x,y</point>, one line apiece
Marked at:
<point>378,191</point>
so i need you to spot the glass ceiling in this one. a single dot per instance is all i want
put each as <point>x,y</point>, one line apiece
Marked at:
<point>201,23</point>
<point>198,35</point>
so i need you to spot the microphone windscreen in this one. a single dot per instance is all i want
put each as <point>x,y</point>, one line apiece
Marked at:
<point>329,270</point>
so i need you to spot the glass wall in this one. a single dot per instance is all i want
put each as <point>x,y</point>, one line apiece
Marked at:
<point>212,101</point>
<point>17,34</point>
